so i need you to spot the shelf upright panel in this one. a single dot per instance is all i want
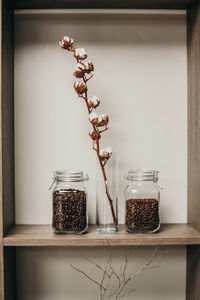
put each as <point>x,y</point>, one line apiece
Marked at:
<point>7,203</point>
<point>193,252</point>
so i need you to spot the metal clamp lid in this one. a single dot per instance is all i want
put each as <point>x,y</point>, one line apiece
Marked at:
<point>142,175</point>
<point>69,175</point>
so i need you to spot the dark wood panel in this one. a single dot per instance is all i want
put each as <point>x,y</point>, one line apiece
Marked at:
<point>154,4</point>
<point>42,235</point>
<point>1,273</point>
<point>1,192</point>
<point>10,273</point>
<point>193,273</point>
<point>194,116</point>
<point>193,252</point>
<point>7,118</point>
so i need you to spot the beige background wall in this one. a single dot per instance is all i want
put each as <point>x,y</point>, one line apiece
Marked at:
<point>140,74</point>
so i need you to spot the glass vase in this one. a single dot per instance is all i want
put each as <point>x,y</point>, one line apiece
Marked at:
<point>106,196</point>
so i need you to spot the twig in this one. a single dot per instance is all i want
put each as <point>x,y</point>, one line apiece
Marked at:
<point>68,44</point>
<point>93,280</point>
<point>106,269</point>
<point>128,293</point>
<point>119,282</point>
<point>141,270</point>
<point>95,264</point>
<point>125,266</point>
<point>117,290</point>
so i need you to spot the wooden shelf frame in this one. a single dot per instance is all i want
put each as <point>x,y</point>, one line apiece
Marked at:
<point>42,235</point>
<point>12,236</point>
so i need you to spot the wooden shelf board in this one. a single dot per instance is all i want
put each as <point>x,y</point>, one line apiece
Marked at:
<point>42,235</point>
<point>153,4</point>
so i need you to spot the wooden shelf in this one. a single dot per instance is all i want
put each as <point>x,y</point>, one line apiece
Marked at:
<point>42,235</point>
<point>153,4</point>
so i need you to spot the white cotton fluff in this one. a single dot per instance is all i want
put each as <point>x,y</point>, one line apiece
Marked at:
<point>68,39</point>
<point>101,117</point>
<point>93,116</point>
<point>94,100</point>
<point>82,66</point>
<point>87,63</point>
<point>78,83</point>
<point>80,52</point>
<point>79,67</point>
<point>106,150</point>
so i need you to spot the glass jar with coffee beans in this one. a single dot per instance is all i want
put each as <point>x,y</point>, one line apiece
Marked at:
<point>70,202</point>
<point>142,197</point>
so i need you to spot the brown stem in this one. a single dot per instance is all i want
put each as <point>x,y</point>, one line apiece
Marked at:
<point>97,150</point>
<point>107,188</point>
<point>101,164</point>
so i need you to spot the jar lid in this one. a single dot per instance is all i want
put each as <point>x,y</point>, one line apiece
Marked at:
<point>70,175</point>
<point>142,175</point>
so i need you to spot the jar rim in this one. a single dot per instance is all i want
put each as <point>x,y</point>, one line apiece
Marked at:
<point>70,175</point>
<point>142,175</point>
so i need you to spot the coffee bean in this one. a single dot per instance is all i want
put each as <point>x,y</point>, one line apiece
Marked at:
<point>142,215</point>
<point>69,211</point>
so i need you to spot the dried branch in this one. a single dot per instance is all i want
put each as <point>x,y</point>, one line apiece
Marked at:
<point>125,266</point>
<point>128,293</point>
<point>140,271</point>
<point>113,282</point>
<point>84,68</point>
<point>107,266</point>
<point>93,280</point>
<point>95,264</point>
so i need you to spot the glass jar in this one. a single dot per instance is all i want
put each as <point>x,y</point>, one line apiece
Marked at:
<point>142,197</point>
<point>106,196</point>
<point>70,202</point>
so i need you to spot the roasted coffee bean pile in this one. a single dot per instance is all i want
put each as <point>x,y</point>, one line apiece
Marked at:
<point>142,215</point>
<point>69,211</point>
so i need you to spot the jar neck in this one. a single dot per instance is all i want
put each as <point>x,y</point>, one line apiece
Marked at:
<point>75,185</point>
<point>141,182</point>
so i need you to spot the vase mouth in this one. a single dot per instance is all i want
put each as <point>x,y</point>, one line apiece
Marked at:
<point>142,175</point>
<point>70,175</point>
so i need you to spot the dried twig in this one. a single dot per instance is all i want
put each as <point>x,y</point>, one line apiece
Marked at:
<point>113,282</point>
<point>93,280</point>
<point>97,265</point>
<point>133,276</point>
<point>83,72</point>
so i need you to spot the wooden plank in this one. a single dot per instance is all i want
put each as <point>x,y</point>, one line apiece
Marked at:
<point>193,273</point>
<point>124,4</point>
<point>193,252</point>
<point>1,192</point>
<point>42,235</point>
<point>194,116</point>
<point>7,120</point>
<point>1,273</point>
<point>10,273</point>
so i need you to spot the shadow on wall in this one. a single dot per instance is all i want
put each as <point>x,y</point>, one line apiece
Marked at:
<point>98,24</point>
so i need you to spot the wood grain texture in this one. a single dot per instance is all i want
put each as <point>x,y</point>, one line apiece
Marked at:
<point>1,273</point>
<point>7,121</point>
<point>153,4</point>
<point>194,116</point>
<point>193,252</point>
<point>193,273</point>
<point>1,192</point>
<point>42,235</point>
<point>10,273</point>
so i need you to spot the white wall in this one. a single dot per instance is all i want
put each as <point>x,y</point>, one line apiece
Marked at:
<point>140,75</point>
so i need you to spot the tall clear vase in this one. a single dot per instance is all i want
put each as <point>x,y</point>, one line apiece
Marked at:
<point>106,197</point>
